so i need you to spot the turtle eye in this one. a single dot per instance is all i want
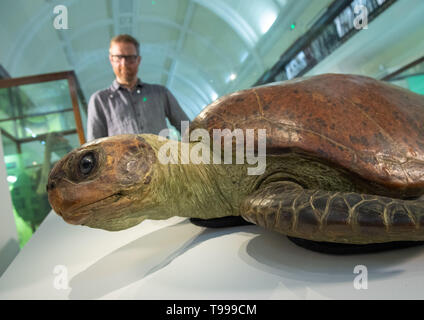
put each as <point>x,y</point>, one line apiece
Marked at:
<point>87,163</point>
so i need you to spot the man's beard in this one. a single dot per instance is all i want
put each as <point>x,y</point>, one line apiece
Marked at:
<point>127,76</point>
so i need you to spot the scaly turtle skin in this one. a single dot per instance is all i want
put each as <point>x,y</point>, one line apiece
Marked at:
<point>344,164</point>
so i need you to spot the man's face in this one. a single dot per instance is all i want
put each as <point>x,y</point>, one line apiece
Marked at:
<point>125,68</point>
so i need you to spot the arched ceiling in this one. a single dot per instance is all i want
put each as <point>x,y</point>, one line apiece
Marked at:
<point>199,49</point>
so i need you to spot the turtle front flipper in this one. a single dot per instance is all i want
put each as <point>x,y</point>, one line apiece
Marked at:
<point>338,217</point>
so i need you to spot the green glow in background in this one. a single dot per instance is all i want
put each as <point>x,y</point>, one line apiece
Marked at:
<point>416,84</point>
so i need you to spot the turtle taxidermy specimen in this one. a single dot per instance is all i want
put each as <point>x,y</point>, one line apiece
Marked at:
<point>344,165</point>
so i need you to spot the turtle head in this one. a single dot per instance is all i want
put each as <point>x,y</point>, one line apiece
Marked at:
<point>102,183</point>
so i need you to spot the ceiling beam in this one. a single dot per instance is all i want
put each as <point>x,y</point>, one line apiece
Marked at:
<point>136,12</point>
<point>207,43</point>
<point>278,4</point>
<point>106,22</point>
<point>29,31</point>
<point>237,23</point>
<point>115,17</point>
<point>233,19</point>
<point>38,19</point>
<point>181,39</point>
<point>67,47</point>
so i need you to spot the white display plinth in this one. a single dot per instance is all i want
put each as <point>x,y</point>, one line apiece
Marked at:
<point>175,259</point>
<point>9,244</point>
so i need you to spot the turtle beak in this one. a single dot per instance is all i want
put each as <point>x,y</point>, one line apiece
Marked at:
<point>64,202</point>
<point>67,197</point>
<point>73,200</point>
<point>53,193</point>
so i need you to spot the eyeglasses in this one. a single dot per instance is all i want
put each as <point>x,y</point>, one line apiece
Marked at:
<point>119,58</point>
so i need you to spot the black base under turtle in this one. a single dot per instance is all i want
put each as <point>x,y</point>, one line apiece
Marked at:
<point>322,247</point>
<point>224,222</point>
<point>345,249</point>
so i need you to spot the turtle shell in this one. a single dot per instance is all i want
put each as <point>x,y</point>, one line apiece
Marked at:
<point>369,127</point>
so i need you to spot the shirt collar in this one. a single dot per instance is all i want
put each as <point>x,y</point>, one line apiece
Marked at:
<point>115,85</point>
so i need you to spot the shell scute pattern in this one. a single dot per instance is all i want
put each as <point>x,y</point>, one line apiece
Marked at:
<point>369,127</point>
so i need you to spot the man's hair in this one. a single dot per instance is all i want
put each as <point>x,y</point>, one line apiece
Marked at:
<point>128,39</point>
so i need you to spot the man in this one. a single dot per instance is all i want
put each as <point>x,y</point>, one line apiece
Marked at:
<point>130,105</point>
